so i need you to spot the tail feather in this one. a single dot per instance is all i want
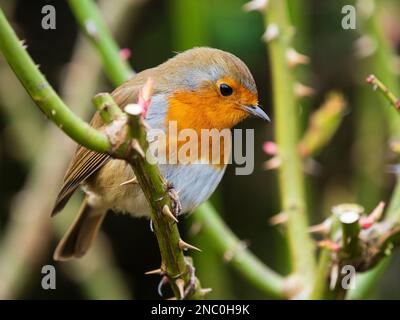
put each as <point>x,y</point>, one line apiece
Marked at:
<point>79,237</point>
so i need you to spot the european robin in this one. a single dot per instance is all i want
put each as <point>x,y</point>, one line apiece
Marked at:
<point>202,88</point>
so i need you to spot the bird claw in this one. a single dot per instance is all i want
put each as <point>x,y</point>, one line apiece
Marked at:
<point>187,287</point>
<point>176,204</point>
<point>192,278</point>
<point>151,225</point>
<point>164,280</point>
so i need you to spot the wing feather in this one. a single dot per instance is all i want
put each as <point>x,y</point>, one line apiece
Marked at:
<point>85,162</point>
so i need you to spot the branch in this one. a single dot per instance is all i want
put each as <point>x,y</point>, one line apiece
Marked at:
<point>322,126</point>
<point>291,177</point>
<point>131,145</point>
<point>349,217</point>
<point>26,229</point>
<point>256,271</point>
<point>44,95</point>
<point>227,245</point>
<point>377,84</point>
<point>149,177</point>
<point>151,182</point>
<point>91,22</point>
<point>361,242</point>
<point>380,61</point>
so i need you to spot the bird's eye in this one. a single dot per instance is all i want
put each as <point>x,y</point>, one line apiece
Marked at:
<point>225,89</point>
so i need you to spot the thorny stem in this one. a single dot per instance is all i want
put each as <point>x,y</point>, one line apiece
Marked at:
<point>52,105</point>
<point>381,61</point>
<point>394,101</point>
<point>227,244</point>
<point>91,22</point>
<point>247,264</point>
<point>133,149</point>
<point>44,95</point>
<point>287,136</point>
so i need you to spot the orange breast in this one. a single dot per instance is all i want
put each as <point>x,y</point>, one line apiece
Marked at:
<point>197,111</point>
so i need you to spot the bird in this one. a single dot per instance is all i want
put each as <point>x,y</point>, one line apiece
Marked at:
<point>200,88</point>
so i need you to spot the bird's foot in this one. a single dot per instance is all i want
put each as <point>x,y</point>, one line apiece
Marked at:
<point>176,204</point>
<point>191,284</point>
<point>184,288</point>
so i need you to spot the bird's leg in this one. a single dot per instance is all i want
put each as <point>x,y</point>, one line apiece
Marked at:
<point>165,278</point>
<point>192,277</point>
<point>176,204</point>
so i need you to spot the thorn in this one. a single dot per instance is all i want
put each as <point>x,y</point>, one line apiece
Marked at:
<point>186,246</point>
<point>125,53</point>
<point>180,283</point>
<point>145,96</point>
<point>254,5</point>
<point>230,253</point>
<point>273,163</point>
<point>195,228</point>
<point>375,216</point>
<point>90,27</point>
<point>295,58</point>
<point>155,271</point>
<point>270,148</point>
<point>23,44</point>
<point>365,46</point>
<point>322,228</point>
<point>329,244</point>
<point>271,33</point>
<point>279,218</point>
<point>136,146</point>
<point>166,210</point>
<point>370,79</point>
<point>205,291</point>
<point>130,181</point>
<point>301,90</point>
<point>147,90</point>
<point>164,280</point>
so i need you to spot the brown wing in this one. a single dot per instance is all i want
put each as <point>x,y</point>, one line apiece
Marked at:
<point>86,162</point>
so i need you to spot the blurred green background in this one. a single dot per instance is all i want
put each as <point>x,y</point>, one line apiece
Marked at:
<point>353,167</point>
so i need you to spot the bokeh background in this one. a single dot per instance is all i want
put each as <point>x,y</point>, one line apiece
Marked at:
<point>356,166</point>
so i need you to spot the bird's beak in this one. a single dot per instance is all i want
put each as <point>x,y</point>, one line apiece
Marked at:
<point>256,111</point>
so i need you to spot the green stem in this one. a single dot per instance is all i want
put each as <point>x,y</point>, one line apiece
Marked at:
<point>390,96</point>
<point>381,62</point>
<point>320,289</point>
<point>153,185</point>
<point>258,270</point>
<point>91,22</point>
<point>367,281</point>
<point>44,95</point>
<point>287,136</point>
<point>241,259</point>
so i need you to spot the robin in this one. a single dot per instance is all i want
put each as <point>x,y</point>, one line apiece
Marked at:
<point>201,88</point>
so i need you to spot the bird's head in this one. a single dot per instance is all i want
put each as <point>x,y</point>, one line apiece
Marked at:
<point>210,88</point>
